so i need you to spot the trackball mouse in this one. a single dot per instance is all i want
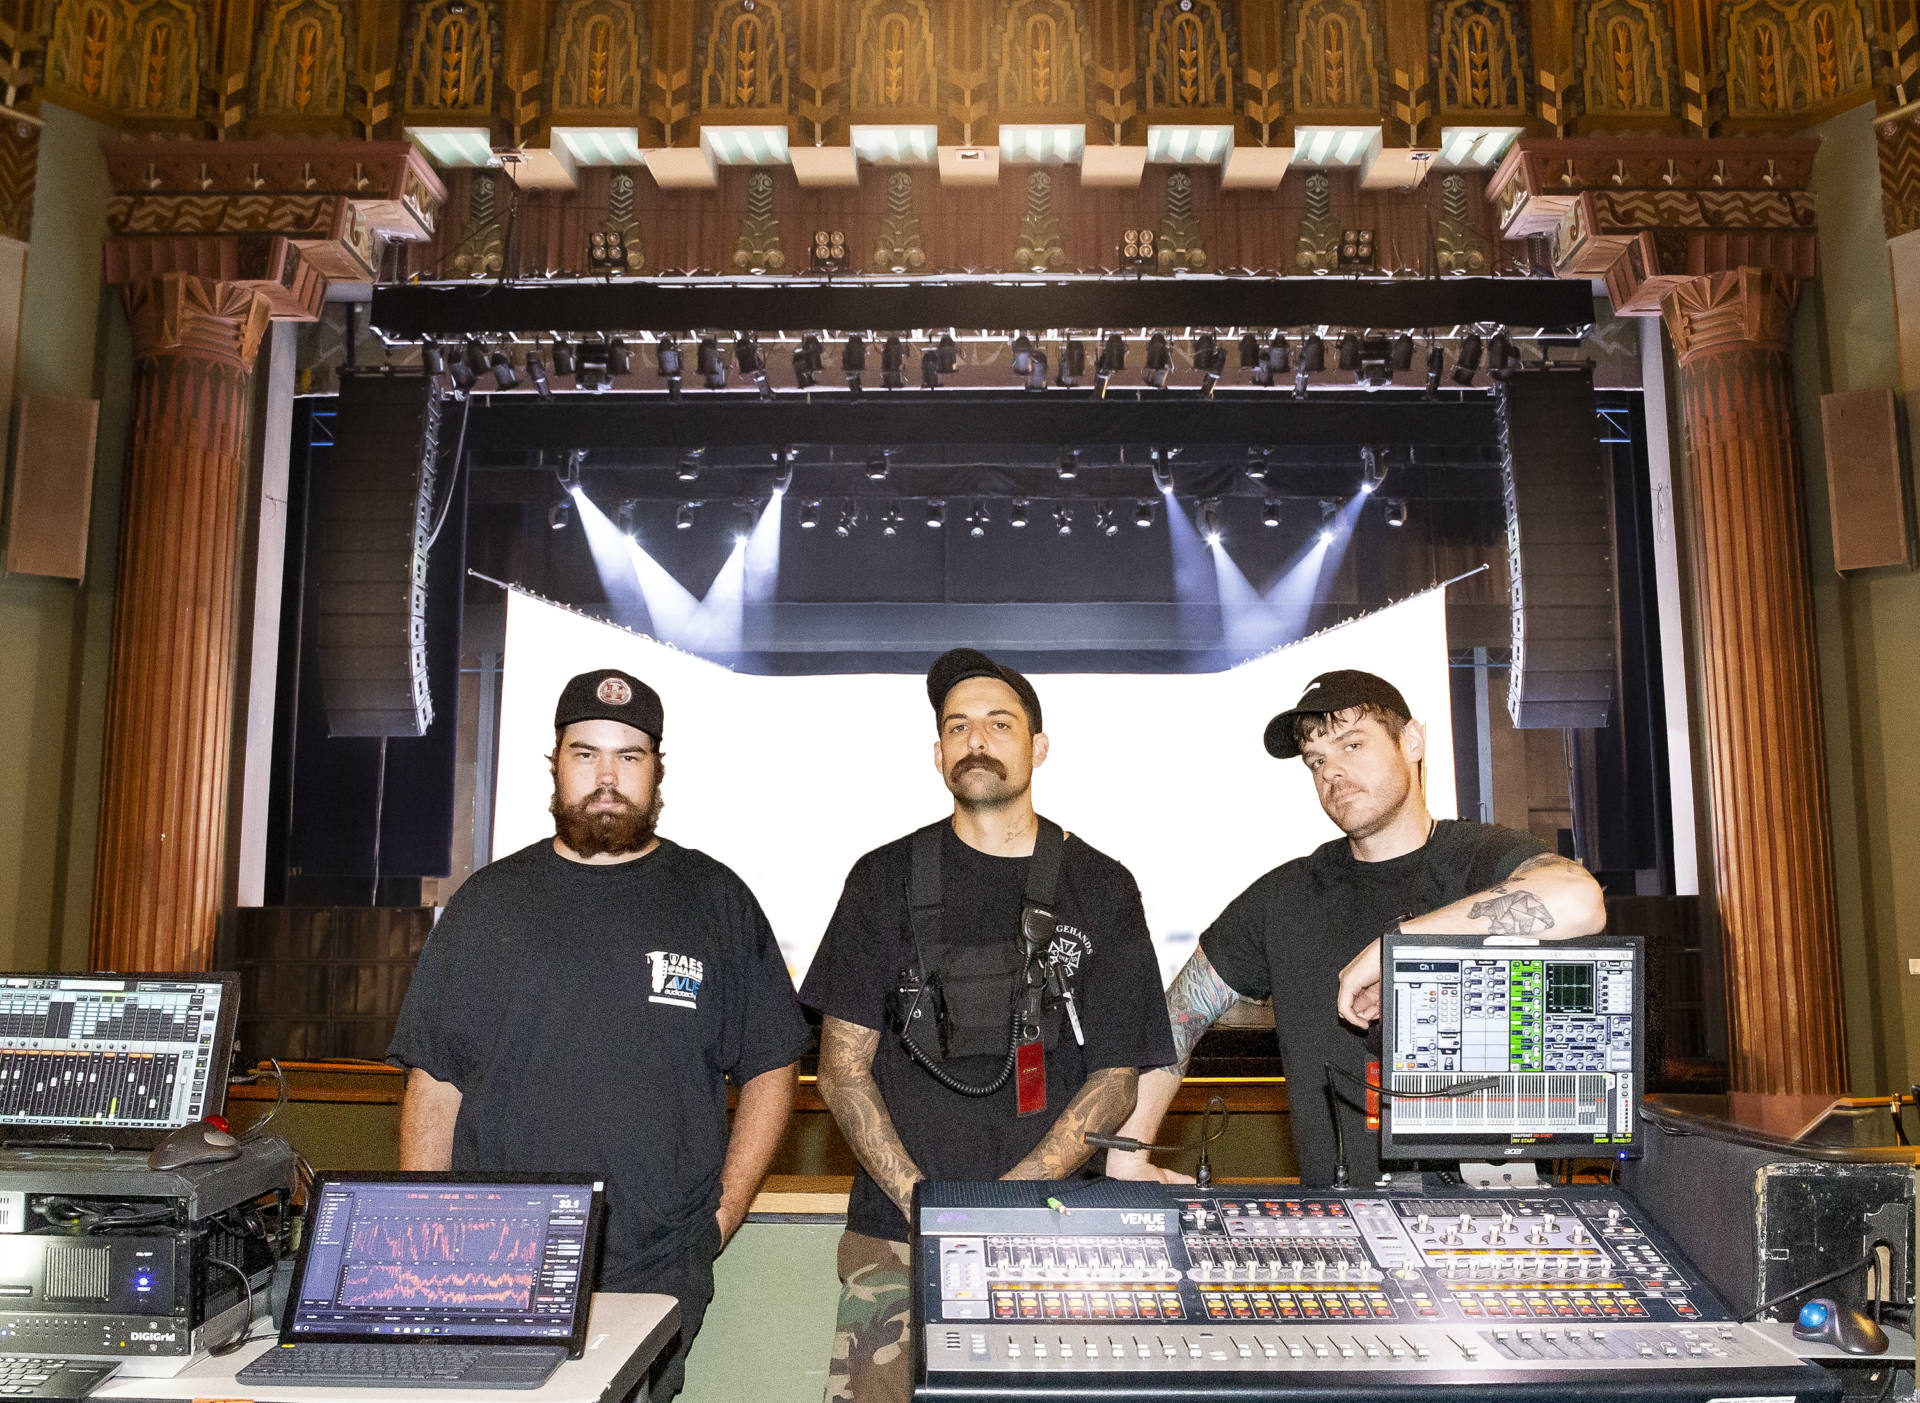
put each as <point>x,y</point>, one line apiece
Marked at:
<point>199,1143</point>
<point>1840,1325</point>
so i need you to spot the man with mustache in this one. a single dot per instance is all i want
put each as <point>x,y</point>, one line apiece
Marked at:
<point>1307,933</point>
<point>988,995</point>
<point>582,1003</point>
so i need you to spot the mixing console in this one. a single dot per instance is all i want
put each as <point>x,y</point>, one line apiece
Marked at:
<point>1265,1292</point>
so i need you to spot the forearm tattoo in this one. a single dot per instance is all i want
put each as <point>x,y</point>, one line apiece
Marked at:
<point>1508,911</point>
<point>1102,1102</point>
<point>848,1088</point>
<point>1195,1001</point>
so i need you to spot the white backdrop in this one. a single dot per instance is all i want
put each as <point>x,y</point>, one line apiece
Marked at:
<point>789,779</point>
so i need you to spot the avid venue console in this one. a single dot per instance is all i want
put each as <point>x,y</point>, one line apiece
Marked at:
<point>1119,1290</point>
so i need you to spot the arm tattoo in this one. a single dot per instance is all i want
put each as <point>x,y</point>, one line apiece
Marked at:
<point>1102,1102</point>
<point>1516,913</point>
<point>1197,998</point>
<point>1541,862</point>
<point>848,1088</point>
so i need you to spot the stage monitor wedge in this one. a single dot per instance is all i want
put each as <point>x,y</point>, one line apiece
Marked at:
<point>370,565</point>
<point>1559,548</point>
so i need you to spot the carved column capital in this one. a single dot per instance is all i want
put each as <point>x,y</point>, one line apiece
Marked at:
<point>178,314</point>
<point>1746,309</point>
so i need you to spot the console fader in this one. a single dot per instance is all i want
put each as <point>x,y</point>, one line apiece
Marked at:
<point>1269,1292</point>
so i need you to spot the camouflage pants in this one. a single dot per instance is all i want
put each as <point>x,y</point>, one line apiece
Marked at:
<point>871,1360</point>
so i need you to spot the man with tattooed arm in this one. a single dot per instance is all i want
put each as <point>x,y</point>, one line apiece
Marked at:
<point>988,995</point>
<point>1307,933</point>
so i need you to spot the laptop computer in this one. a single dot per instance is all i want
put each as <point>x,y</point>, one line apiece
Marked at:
<point>438,1281</point>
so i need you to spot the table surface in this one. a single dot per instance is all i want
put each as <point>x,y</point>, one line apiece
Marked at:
<point>624,1334</point>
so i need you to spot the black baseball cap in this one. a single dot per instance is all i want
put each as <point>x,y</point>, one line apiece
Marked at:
<point>1328,693</point>
<point>956,665</point>
<point>609,694</point>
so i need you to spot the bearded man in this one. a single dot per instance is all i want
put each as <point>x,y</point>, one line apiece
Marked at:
<point>582,1002</point>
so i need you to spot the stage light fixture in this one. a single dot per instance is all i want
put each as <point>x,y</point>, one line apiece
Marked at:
<point>1313,352</point>
<point>666,360</point>
<point>1468,359</point>
<point>1106,520</point>
<point>623,518</point>
<point>1397,511</point>
<point>683,517</point>
<point>1501,353</point>
<point>830,251</point>
<point>1018,515</point>
<point>1250,356</point>
<point>619,357</point>
<point>1159,361</point>
<point>1063,520</point>
<point>1300,374</point>
<point>810,514</point>
<point>1277,359</point>
<point>1022,354</point>
<point>1136,249</point>
<point>563,358</point>
<point>849,518</point>
<point>1327,510</point>
<point>877,465</point>
<point>977,521</point>
<point>890,521</point>
<point>853,361</point>
<point>1270,512</point>
<point>712,363</point>
<point>504,375</point>
<point>1373,472</point>
<point>1210,358</point>
<point>936,514</point>
<point>1073,361</point>
<point>1037,371</point>
<point>475,356</point>
<point>1069,467</point>
<point>893,364</point>
<point>606,252</point>
<point>802,368</point>
<point>949,353</point>
<point>810,349</point>
<point>1435,364</point>
<point>1143,513</point>
<point>1162,474</point>
<point>930,369</point>
<point>1210,521</point>
<point>433,359</point>
<point>537,374</point>
<point>1258,460</point>
<point>687,467</point>
<point>1401,357</point>
<point>783,475</point>
<point>1112,360</point>
<point>744,514</point>
<point>1349,352</point>
<point>746,353</point>
<point>560,514</point>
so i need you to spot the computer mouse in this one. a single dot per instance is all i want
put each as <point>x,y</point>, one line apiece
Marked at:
<point>1843,1326</point>
<point>199,1143</point>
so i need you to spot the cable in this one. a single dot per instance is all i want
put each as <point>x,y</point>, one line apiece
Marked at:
<point>104,1218</point>
<point>453,481</point>
<point>1448,1092</point>
<point>1848,1270</point>
<point>1203,1172</point>
<point>953,1083</point>
<point>279,1101</point>
<point>246,1324</point>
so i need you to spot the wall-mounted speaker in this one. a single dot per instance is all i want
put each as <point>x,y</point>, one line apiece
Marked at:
<point>370,574</point>
<point>1559,548</point>
<point>1866,480</point>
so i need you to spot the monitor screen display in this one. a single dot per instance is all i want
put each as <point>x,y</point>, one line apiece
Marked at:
<point>1544,1040</point>
<point>439,1259</point>
<point>122,1057</point>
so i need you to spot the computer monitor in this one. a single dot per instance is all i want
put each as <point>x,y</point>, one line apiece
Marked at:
<point>112,1059</point>
<point>493,1258</point>
<point>1556,1026</point>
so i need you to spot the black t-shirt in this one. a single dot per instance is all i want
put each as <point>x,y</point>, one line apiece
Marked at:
<point>589,1016</point>
<point>1100,942</point>
<point>1293,931</point>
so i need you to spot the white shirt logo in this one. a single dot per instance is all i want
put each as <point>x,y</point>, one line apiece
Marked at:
<point>676,979</point>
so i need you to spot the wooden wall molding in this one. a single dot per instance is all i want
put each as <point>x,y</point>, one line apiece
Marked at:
<point>159,870</point>
<point>1773,862</point>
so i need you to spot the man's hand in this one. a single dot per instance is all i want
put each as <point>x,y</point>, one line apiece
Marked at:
<point>729,1221</point>
<point>1134,1164</point>
<point>1359,999</point>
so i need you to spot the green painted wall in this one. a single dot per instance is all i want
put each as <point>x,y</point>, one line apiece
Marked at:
<point>53,634</point>
<point>1867,628</point>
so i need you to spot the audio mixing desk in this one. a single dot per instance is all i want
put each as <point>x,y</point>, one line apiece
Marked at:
<point>1270,1292</point>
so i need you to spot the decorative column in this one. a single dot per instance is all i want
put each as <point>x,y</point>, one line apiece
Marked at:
<point>1716,237</point>
<point>163,814</point>
<point>1773,857</point>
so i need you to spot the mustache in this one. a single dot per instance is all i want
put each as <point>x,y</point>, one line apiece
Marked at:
<point>977,762</point>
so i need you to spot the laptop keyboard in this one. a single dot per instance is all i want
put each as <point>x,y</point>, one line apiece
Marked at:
<point>437,1366</point>
<point>23,1376</point>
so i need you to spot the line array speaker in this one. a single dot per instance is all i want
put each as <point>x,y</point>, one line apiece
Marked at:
<point>371,574</point>
<point>1559,548</point>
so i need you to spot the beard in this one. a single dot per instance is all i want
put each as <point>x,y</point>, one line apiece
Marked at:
<point>625,828</point>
